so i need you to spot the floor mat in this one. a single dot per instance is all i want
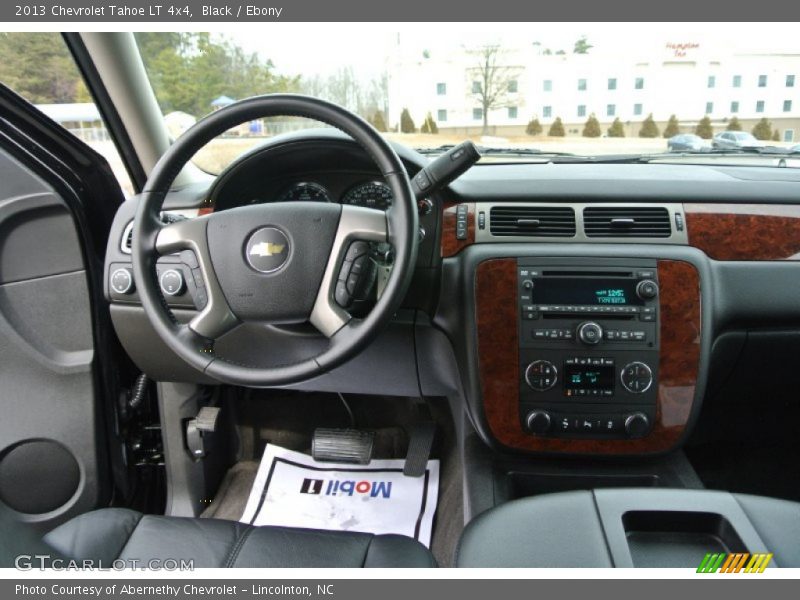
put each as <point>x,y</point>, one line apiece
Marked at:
<point>292,490</point>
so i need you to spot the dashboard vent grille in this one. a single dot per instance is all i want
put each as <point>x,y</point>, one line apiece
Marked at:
<point>127,239</point>
<point>535,221</point>
<point>626,222</point>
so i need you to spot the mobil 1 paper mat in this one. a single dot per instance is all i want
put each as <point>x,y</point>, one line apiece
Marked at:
<point>292,490</point>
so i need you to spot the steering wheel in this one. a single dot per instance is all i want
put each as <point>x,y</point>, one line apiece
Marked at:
<point>273,263</point>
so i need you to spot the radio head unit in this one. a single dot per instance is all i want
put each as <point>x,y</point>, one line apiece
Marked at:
<point>589,346</point>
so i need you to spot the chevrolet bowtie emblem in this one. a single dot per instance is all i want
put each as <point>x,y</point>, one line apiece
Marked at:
<point>266,249</point>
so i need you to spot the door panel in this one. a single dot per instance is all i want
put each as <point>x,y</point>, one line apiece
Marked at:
<point>50,429</point>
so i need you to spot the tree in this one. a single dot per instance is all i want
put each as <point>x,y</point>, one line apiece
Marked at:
<point>704,128</point>
<point>616,130</point>
<point>649,128</point>
<point>592,127</point>
<point>534,127</point>
<point>734,124</point>
<point>189,70</point>
<point>672,128</point>
<point>378,121</point>
<point>776,136</point>
<point>38,67</point>
<point>763,130</point>
<point>429,125</point>
<point>345,88</point>
<point>491,81</point>
<point>582,46</point>
<point>557,128</point>
<point>406,122</point>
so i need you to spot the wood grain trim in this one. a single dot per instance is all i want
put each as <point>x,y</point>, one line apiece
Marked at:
<point>745,231</point>
<point>498,360</point>
<point>451,246</point>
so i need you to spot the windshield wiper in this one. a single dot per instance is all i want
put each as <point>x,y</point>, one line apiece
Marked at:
<point>489,151</point>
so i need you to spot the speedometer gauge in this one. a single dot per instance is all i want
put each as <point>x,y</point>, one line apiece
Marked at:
<point>305,191</point>
<point>374,194</point>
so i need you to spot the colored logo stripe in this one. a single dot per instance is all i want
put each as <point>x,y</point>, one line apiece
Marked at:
<point>734,562</point>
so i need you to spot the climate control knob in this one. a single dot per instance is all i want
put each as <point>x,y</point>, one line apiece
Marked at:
<point>637,424</point>
<point>647,289</point>
<point>538,421</point>
<point>541,375</point>
<point>636,377</point>
<point>590,333</point>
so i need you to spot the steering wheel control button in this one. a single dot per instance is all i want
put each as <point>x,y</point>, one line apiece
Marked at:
<point>267,250</point>
<point>121,281</point>
<point>541,375</point>
<point>341,295</point>
<point>171,282</point>
<point>538,421</point>
<point>637,425</point>
<point>636,377</point>
<point>356,249</point>
<point>590,333</point>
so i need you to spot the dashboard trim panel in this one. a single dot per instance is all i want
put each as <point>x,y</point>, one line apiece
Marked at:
<point>750,232</point>
<point>498,361</point>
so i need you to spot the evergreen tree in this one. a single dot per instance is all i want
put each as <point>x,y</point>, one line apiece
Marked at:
<point>776,136</point>
<point>649,128</point>
<point>734,125</point>
<point>672,128</point>
<point>763,130</point>
<point>429,125</point>
<point>406,122</point>
<point>377,121</point>
<point>616,130</point>
<point>557,128</point>
<point>704,128</point>
<point>592,127</point>
<point>534,127</point>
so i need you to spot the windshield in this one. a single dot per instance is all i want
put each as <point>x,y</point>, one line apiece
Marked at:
<point>589,90</point>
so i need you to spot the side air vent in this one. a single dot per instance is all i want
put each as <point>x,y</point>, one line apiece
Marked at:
<point>127,239</point>
<point>534,221</point>
<point>626,222</point>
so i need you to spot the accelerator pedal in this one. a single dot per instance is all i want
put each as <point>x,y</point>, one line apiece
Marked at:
<point>342,445</point>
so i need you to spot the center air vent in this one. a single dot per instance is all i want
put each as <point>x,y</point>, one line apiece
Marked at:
<point>626,222</point>
<point>534,221</point>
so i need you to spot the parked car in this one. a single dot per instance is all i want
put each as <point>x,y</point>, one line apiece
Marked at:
<point>736,139</point>
<point>686,142</point>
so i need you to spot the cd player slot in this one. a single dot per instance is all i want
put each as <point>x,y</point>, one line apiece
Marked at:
<point>622,274</point>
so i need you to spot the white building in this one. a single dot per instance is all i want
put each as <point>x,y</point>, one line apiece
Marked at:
<point>684,78</point>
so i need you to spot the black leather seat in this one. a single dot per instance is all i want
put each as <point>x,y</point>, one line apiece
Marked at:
<point>114,533</point>
<point>630,528</point>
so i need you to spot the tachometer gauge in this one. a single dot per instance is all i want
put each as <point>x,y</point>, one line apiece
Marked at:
<point>374,194</point>
<point>306,191</point>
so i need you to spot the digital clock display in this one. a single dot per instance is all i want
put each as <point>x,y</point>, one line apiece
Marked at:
<point>589,291</point>
<point>610,296</point>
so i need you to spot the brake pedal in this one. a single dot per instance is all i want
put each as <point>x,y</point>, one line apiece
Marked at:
<point>342,445</point>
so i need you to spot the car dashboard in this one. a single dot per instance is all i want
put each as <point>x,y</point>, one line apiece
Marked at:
<point>570,308</point>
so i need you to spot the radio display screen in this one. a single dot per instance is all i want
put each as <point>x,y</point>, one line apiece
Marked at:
<point>588,377</point>
<point>586,291</point>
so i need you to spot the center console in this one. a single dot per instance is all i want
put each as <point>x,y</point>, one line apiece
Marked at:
<point>588,347</point>
<point>587,355</point>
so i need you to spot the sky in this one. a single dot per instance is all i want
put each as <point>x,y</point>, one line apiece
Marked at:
<point>321,49</point>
